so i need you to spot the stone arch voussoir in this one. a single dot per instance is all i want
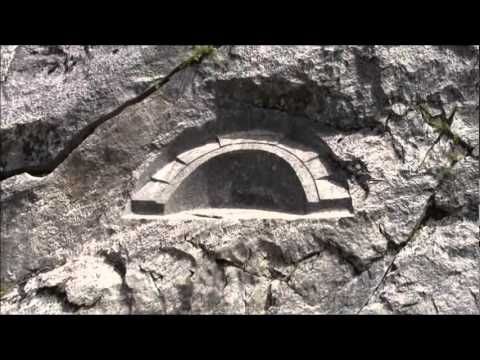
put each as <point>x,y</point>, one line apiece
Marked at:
<point>320,191</point>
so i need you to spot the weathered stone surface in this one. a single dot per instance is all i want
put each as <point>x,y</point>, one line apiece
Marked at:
<point>149,199</point>
<point>437,273</point>
<point>250,136</point>
<point>411,246</point>
<point>303,154</point>
<point>168,173</point>
<point>51,93</point>
<point>459,189</point>
<point>328,190</point>
<point>85,286</point>
<point>6,55</point>
<point>317,168</point>
<point>188,156</point>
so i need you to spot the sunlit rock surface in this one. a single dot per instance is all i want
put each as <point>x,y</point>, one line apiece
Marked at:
<point>82,134</point>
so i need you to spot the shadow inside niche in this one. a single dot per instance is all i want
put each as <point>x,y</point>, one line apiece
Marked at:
<point>274,105</point>
<point>230,121</point>
<point>241,180</point>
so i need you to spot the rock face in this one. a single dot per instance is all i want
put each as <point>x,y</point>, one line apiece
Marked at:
<point>395,130</point>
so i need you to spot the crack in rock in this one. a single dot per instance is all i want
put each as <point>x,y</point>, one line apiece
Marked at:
<point>60,293</point>
<point>274,274</point>
<point>431,211</point>
<point>435,306</point>
<point>397,249</point>
<point>353,260</point>
<point>160,296</point>
<point>7,53</point>
<point>278,260</point>
<point>397,146</point>
<point>78,138</point>
<point>118,261</point>
<point>442,125</point>
<point>270,300</point>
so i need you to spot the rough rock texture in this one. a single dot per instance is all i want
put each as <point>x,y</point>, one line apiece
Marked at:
<point>81,129</point>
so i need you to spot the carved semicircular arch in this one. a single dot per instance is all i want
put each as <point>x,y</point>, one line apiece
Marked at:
<point>322,193</point>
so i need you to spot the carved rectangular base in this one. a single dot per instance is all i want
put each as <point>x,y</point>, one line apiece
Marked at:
<point>147,207</point>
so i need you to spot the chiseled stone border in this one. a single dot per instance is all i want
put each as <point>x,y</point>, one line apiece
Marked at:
<point>320,192</point>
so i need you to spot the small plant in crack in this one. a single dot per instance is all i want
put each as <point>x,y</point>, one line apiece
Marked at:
<point>446,171</point>
<point>197,55</point>
<point>454,157</point>
<point>4,291</point>
<point>200,52</point>
<point>441,125</point>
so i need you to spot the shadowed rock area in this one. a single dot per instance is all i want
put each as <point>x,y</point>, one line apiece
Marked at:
<point>253,180</point>
<point>86,130</point>
<point>200,179</point>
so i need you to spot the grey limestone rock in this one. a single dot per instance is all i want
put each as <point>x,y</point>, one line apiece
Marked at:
<point>83,132</point>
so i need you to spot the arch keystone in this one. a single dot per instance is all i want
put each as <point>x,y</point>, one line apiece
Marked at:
<point>188,156</point>
<point>265,137</point>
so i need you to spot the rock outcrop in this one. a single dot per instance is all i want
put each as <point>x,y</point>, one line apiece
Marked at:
<point>83,128</point>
